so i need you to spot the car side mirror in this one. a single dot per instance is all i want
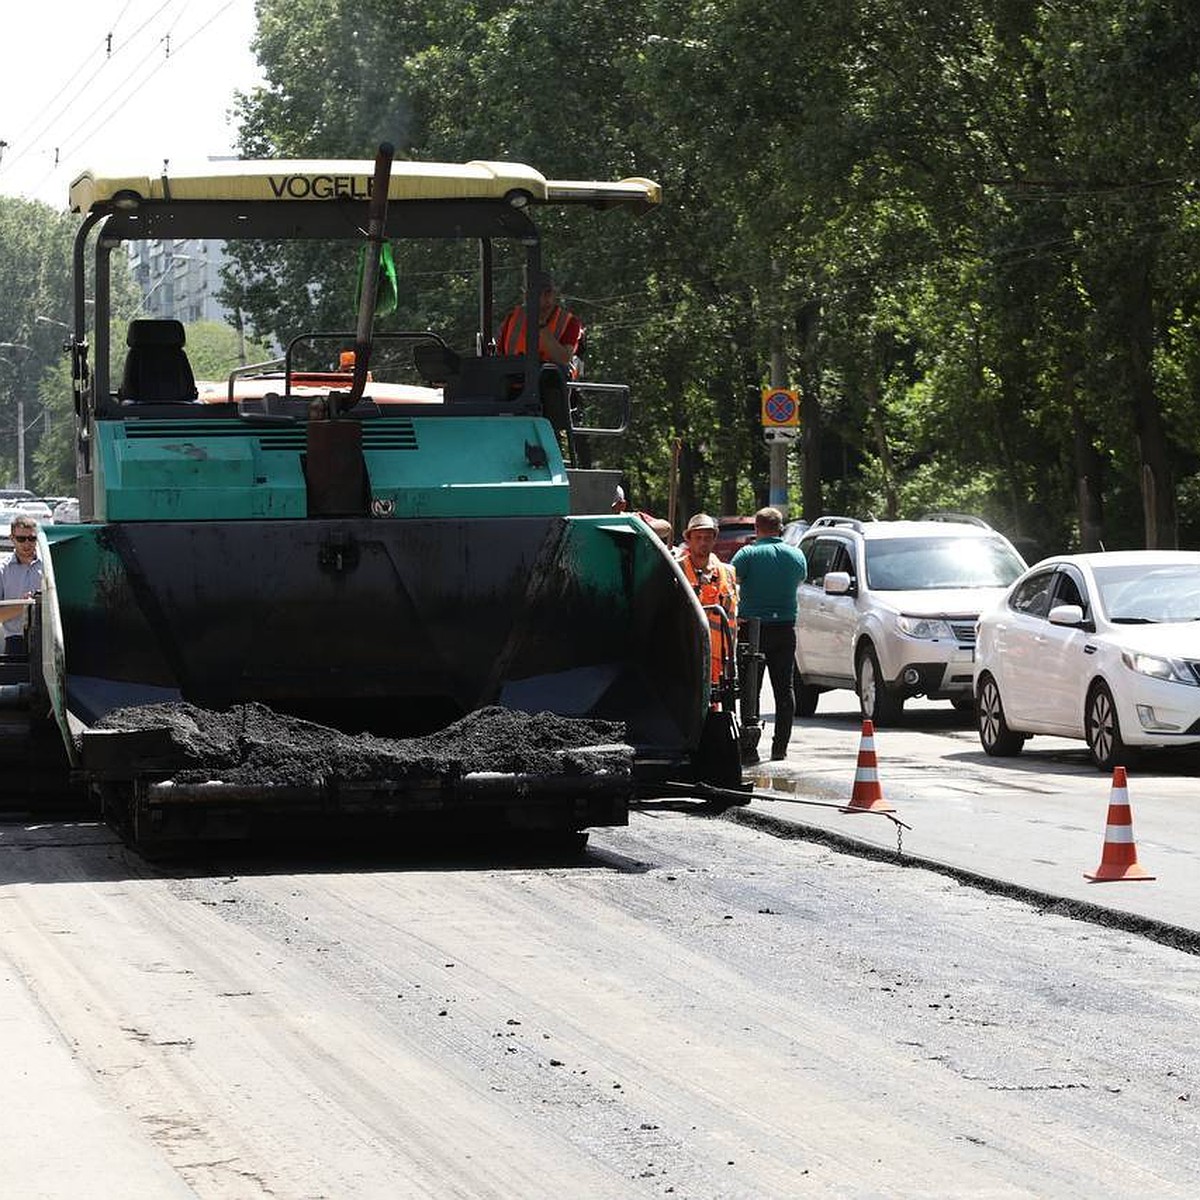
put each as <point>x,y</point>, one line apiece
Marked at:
<point>1066,614</point>
<point>838,583</point>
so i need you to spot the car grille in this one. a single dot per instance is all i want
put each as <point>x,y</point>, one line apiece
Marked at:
<point>964,631</point>
<point>1194,667</point>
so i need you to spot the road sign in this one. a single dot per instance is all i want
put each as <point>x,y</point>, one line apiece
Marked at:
<point>781,433</point>
<point>780,408</point>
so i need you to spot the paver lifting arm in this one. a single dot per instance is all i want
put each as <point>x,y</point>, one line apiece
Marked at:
<point>376,223</point>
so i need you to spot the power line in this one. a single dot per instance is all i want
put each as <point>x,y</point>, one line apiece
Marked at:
<point>142,73</point>
<point>71,77</point>
<point>80,133</point>
<point>51,119</point>
<point>99,113</point>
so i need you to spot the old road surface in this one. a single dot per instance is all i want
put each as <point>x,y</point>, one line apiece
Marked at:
<point>694,1007</point>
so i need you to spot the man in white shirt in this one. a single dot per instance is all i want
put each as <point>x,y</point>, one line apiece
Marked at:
<point>20,577</point>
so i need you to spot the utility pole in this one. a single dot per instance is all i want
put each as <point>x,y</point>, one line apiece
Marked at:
<point>19,376</point>
<point>239,325</point>
<point>778,490</point>
<point>780,410</point>
<point>781,423</point>
<point>20,438</point>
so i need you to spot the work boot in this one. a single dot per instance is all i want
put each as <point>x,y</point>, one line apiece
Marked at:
<point>749,744</point>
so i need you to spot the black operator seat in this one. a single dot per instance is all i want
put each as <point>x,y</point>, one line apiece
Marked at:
<point>157,370</point>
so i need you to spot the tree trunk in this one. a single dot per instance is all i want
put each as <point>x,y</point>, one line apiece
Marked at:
<point>1089,466</point>
<point>1157,478</point>
<point>726,436</point>
<point>808,319</point>
<point>688,459</point>
<point>886,463</point>
<point>681,482</point>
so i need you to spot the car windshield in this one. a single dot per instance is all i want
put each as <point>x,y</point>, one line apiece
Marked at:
<point>922,563</point>
<point>1139,594</point>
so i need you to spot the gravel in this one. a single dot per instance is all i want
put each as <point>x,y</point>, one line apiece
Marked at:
<point>251,743</point>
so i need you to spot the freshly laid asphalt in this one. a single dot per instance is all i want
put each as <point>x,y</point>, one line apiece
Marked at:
<point>1031,827</point>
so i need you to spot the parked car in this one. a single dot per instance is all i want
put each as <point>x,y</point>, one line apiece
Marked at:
<point>793,531</point>
<point>888,609</point>
<point>7,512</point>
<point>66,512</point>
<point>1104,647</point>
<point>22,504</point>
<point>732,534</point>
<point>10,498</point>
<point>39,510</point>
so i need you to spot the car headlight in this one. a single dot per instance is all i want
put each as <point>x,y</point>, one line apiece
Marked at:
<point>924,627</point>
<point>1171,670</point>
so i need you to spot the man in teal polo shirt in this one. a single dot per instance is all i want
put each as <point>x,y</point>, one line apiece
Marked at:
<point>769,571</point>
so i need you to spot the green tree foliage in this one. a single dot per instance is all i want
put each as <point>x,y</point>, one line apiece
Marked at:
<point>53,466</point>
<point>969,227</point>
<point>214,349</point>
<point>35,270</point>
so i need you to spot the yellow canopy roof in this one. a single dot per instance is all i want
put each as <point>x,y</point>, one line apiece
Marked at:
<point>286,180</point>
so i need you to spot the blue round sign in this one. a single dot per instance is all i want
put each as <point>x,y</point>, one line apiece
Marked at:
<point>779,407</point>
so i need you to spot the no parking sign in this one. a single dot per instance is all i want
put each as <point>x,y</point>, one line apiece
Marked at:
<point>780,413</point>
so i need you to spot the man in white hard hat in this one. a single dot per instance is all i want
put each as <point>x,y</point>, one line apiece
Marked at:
<point>714,584</point>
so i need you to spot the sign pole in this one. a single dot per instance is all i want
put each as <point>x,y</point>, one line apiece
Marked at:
<point>779,450</point>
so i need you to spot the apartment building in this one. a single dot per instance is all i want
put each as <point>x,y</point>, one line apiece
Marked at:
<point>180,278</point>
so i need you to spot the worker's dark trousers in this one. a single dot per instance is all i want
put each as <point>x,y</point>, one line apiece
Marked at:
<point>777,645</point>
<point>777,641</point>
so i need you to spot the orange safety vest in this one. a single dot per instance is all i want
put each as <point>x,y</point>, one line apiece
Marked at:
<point>562,323</point>
<point>715,585</point>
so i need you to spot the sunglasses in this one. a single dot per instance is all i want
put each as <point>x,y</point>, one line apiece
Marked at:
<point>24,537</point>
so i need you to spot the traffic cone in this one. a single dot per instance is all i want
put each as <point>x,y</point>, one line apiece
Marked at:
<point>1119,857</point>
<point>867,795</point>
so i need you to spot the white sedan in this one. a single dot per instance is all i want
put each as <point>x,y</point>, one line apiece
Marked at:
<point>1103,647</point>
<point>39,510</point>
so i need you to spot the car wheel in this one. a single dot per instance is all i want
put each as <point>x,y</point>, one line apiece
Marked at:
<point>994,734</point>
<point>877,703</point>
<point>1103,730</point>
<point>806,695</point>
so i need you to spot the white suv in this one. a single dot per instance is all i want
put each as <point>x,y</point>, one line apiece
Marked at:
<point>888,609</point>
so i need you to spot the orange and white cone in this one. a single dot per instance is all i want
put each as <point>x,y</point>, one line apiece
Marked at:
<point>867,795</point>
<point>1119,857</point>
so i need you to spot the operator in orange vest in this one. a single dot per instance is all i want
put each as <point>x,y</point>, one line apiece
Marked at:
<point>559,333</point>
<point>714,583</point>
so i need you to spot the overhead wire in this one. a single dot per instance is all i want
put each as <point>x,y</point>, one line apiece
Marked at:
<point>141,75</point>
<point>136,79</point>
<point>81,93</point>
<point>71,78</point>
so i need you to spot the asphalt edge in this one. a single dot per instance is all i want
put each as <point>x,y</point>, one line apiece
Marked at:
<point>1176,937</point>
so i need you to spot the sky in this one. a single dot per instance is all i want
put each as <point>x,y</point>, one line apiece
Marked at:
<point>72,98</point>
